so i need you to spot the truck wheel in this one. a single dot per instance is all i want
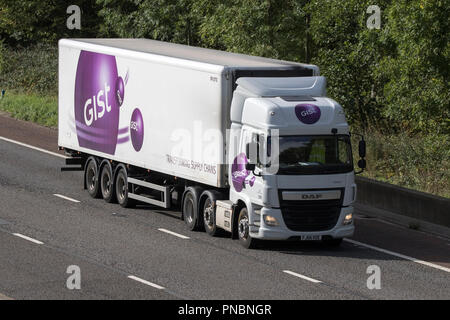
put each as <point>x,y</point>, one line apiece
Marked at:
<point>122,190</point>
<point>209,217</point>
<point>91,178</point>
<point>208,211</point>
<point>244,230</point>
<point>190,212</point>
<point>107,183</point>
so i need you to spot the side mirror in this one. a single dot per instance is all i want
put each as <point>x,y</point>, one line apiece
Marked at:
<point>362,148</point>
<point>250,166</point>
<point>362,154</point>
<point>362,164</point>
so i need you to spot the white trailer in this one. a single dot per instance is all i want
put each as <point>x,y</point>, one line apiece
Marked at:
<point>174,125</point>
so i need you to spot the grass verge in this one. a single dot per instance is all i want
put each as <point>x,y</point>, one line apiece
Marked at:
<point>31,107</point>
<point>419,162</point>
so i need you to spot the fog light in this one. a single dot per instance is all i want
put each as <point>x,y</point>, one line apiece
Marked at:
<point>270,221</point>
<point>348,218</point>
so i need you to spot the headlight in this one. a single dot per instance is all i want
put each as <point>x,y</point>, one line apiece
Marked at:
<point>348,218</point>
<point>270,221</point>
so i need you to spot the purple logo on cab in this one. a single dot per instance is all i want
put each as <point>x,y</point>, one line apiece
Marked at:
<point>239,175</point>
<point>96,107</point>
<point>307,113</point>
<point>137,129</point>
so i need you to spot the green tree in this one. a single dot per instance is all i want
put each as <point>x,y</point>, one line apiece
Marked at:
<point>25,22</point>
<point>417,93</point>
<point>268,28</point>
<point>166,20</point>
<point>347,53</point>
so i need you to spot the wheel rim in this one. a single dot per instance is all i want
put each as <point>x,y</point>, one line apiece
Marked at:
<point>189,209</point>
<point>106,182</point>
<point>208,214</point>
<point>91,173</point>
<point>121,187</point>
<point>243,227</point>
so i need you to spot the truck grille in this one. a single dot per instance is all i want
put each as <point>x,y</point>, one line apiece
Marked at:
<point>311,215</point>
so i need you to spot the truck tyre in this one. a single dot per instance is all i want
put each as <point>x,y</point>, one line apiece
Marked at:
<point>243,226</point>
<point>208,212</point>
<point>190,209</point>
<point>121,184</point>
<point>91,178</point>
<point>107,183</point>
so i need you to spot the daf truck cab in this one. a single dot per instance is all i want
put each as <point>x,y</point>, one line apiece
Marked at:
<point>291,172</point>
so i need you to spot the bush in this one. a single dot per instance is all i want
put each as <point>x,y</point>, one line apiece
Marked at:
<point>34,69</point>
<point>420,162</point>
<point>1,56</point>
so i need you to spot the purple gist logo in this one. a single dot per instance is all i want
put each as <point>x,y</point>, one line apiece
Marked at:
<point>96,107</point>
<point>120,90</point>
<point>240,175</point>
<point>137,129</point>
<point>307,113</point>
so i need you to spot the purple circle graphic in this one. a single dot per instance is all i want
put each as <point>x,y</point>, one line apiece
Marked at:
<point>251,182</point>
<point>238,172</point>
<point>307,113</point>
<point>119,91</point>
<point>137,129</point>
<point>96,109</point>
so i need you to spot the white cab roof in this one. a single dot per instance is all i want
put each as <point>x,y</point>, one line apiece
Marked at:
<point>286,86</point>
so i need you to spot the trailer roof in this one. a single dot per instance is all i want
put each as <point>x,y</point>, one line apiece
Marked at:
<point>209,56</point>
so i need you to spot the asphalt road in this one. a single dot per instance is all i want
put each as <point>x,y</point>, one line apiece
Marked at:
<point>141,253</point>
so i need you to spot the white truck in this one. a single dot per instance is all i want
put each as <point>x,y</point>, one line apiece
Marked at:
<point>239,143</point>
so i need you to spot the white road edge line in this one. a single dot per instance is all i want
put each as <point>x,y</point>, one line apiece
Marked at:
<point>32,147</point>
<point>301,276</point>
<point>66,198</point>
<point>399,255</point>
<point>173,233</point>
<point>148,283</point>
<point>27,238</point>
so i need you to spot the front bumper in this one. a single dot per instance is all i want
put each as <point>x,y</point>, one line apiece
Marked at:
<point>282,232</point>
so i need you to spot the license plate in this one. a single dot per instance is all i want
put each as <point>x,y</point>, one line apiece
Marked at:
<point>311,238</point>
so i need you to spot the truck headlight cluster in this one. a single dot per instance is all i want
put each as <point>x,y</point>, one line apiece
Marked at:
<point>270,221</point>
<point>348,219</point>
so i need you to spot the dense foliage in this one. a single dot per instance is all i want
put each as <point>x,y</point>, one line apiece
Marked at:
<point>393,81</point>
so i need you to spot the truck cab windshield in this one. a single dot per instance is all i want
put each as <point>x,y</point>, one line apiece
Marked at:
<point>324,154</point>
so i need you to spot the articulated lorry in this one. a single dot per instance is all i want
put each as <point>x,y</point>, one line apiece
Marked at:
<point>247,145</point>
